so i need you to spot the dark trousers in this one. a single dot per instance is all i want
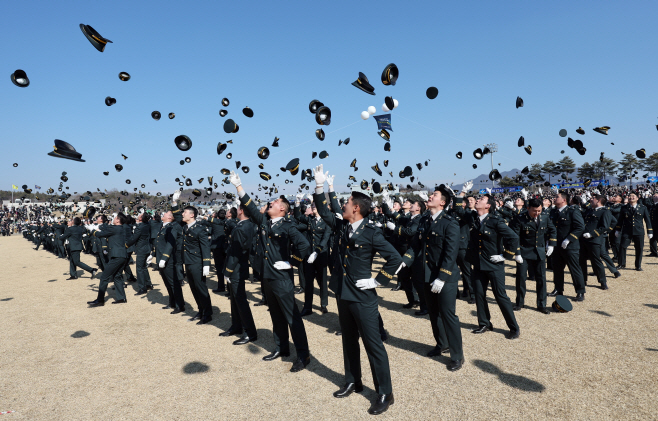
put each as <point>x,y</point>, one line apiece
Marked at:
<point>607,261</point>
<point>259,278</point>
<point>113,267</point>
<point>362,320</point>
<point>444,321</point>
<point>177,273</point>
<point>404,279</point>
<point>615,245</point>
<point>60,248</point>
<point>539,271</point>
<point>638,243</point>
<point>481,280</point>
<point>285,314</point>
<point>175,300</point>
<point>143,277</point>
<point>465,268</point>
<point>315,271</point>
<point>74,262</point>
<point>219,256</point>
<point>653,245</point>
<point>199,289</point>
<point>300,276</point>
<point>592,251</point>
<point>571,259</point>
<point>126,267</point>
<point>241,317</point>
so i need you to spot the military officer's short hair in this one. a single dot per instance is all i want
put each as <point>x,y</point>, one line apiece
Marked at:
<point>193,209</point>
<point>565,195</point>
<point>122,218</point>
<point>363,202</point>
<point>77,221</point>
<point>284,200</point>
<point>234,212</point>
<point>491,201</point>
<point>534,203</point>
<point>146,218</point>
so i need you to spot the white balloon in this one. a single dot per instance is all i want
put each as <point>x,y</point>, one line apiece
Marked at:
<point>395,103</point>
<point>385,108</point>
<point>372,110</point>
<point>365,115</point>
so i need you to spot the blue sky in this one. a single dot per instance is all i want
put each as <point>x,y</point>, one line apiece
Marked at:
<point>574,64</point>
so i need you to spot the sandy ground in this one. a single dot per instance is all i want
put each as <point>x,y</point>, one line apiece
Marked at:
<point>62,360</point>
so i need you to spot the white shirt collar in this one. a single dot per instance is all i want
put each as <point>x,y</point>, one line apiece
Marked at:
<point>436,215</point>
<point>190,224</point>
<point>562,208</point>
<point>275,220</point>
<point>164,224</point>
<point>356,225</point>
<point>483,216</point>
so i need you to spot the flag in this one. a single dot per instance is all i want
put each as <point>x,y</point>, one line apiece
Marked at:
<point>37,187</point>
<point>14,187</point>
<point>383,121</point>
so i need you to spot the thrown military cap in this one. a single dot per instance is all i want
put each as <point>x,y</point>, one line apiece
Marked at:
<point>563,133</point>
<point>376,169</point>
<point>521,141</point>
<point>314,105</point>
<point>20,79</point>
<point>248,112</point>
<point>323,116</point>
<point>363,84</point>
<point>156,115</point>
<point>276,142</point>
<point>432,92</point>
<point>221,147</point>
<point>188,182</point>
<point>494,175</point>
<point>384,134</point>
<point>15,164</point>
<point>525,170</point>
<point>237,164</point>
<point>263,152</point>
<point>128,181</point>
<point>183,142</point>
<point>641,153</point>
<point>353,164</point>
<point>109,101</point>
<point>386,162</point>
<point>390,74</point>
<point>319,133</point>
<point>106,173</point>
<point>245,169</point>
<point>519,102</point>
<point>261,166</point>
<point>171,116</point>
<point>65,150</point>
<point>475,166</point>
<point>230,126</point>
<point>478,154</point>
<point>408,171</point>
<point>458,155</point>
<point>389,102</point>
<point>582,151</point>
<point>364,185</point>
<point>124,76</point>
<point>323,154</point>
<point>222,113</point>
<point>580,130</point>
<point>188,159</point>
<point>265,176</point>
<point>229,155</point>
<point>313,154</point>
<point>587,182</point>
<point>182,162</point>
<point>528,149</point>
<point>293,166</point>
<point>344,142</point>
<point>94,37</point>
<point>376,187</point>
<point>419,166</point>
<point>562,304</point>
<point>602,129</point>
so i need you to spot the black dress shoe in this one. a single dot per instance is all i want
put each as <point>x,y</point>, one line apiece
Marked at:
<point>518,307</point>
<point>652,255</point>
<point>300,364</point>
<point>421,312</point>
<point>306,312</point>
<point>124,301</point>
<point>96,303</point>
<point>260,303</point>
<point>381,404</point>
<point>617,275</point>
<point>299,291</point>
<point>482,329</point>
<point>338,333</point>
<point>149,288</point>
<point>455,365</point>
<point>395,288</point>
<point>438,351</point>
<point>276,354</point>
<point>580,297</point>
<point>93,273</point>
<point>176,311</point>
<point>621,267</point>
<point>229,333</point>
<point>204,320</point>
<point>348,389</point>
<point>324,310</point>
<point>133,279</point>
<point>639,269</point>
<point>245,340</point>
<point>604,286</point>
<point>513,334</point>
<point>410,305</point>
<point>471,300</point>
<point>543,310</point>
<point>195,317</point>
<point>219,290</point>
<point>167,307</point>
<point>555,293</point>
<point>141,292</point>
<point>71,278</point>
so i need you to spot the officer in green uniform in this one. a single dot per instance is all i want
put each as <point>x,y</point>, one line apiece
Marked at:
<point>141,240</point>
<point>433,256</point>
<point>597,222</point>
<point>116,246</point>
<point>74,234</point>
<point>535,230</point>
<point>630,228</point>
<point>275,238</point>
<point>653,215</point>
<point>358,242</point>
<point>165,255</point>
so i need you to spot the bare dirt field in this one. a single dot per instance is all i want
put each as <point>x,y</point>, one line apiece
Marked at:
<point>61,360</point>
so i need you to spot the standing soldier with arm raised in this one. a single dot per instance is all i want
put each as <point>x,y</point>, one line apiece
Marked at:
<point>275,237</point>
<point>630,228</point>
<point>142,241</point>
<point>351,279</point>
<point>74,234</point>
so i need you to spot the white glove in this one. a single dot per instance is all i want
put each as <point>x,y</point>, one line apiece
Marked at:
<point>67,241</point>
<point>175,196</point>
<point>84,235</point>
<point>402,265</point>
<point>339,216</point>
<point>235,179</point>
<point>281,265</point>
<point>488,190</point>
<point>616,233</point>
<point>524,192</point>
<point>312,257</point>
<point>554,188</point>
<point>104,251</point>
<point>497,258</point>
<point>518,259</point>
<point>149,259</point>
<point>366,284</point>
<point>587,235</point>
<point>390,225</point>
<point>141,211</point>
<point>437,286</point>
<point>162,264</point>
<point>206,270</point>
<point>320,177</point>
<point>378,224</point>
<point>227,280</point>
<point>423,195</point>
<point>549,251</point>
<point>309,196</point>
<point>467,186</point>
<point>596,191</point>
<point>588,195</point>
<point>299,197</point>
<point>650,236</point>
<point>330,180</point>
<point>509,204</point>
<point>565,243</point>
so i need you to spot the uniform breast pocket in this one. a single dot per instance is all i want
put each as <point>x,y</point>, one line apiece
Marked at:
<point>435,237</point>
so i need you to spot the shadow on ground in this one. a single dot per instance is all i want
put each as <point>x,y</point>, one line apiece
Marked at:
<point>512,380</point>
<point>195,367</point>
